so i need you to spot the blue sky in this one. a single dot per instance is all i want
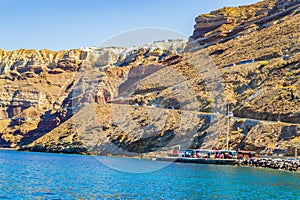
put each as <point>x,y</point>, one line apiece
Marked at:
<point>67,24</point>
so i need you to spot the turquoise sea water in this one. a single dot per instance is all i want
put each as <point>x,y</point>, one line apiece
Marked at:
<point>56,176</point>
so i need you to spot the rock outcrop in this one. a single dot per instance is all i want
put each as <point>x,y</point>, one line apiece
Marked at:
<point>232,22</point>
<point>282,164</point>
<point>36,62</point>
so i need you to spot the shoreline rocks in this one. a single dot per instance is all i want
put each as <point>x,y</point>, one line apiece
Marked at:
<point>277,163</point>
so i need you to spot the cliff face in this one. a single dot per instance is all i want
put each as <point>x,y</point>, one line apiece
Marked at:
<point>232,22</point>
<point>149,99</point>
<point>21,61</point>
<point>27,80</point>
<point>261,67</point>
<point>40,90</point>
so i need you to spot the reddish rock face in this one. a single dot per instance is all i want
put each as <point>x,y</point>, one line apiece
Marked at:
<point>69,65</point>
<point>103,96</point>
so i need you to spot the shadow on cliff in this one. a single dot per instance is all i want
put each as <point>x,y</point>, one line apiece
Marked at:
<point>147,144</point>
<point>4,144</point>
<point>48,122</point>
<point>45,125</point>
<point>12,109</point>
<point>136,74</point>
<point>51,120</point>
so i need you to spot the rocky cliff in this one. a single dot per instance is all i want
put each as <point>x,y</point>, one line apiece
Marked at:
<point>232,22</point>
<point>149,99</point>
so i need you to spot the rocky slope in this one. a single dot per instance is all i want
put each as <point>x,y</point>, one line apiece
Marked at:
<point>232,22</point>
<point>151,98</point>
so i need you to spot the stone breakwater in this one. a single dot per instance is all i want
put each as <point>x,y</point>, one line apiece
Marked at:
<point>283,164</point>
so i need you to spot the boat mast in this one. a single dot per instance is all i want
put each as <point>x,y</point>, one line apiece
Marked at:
<point>227,132</point>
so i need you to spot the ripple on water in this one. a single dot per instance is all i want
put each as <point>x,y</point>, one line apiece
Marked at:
<point>56,176</point>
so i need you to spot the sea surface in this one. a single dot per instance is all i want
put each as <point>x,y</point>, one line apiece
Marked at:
<point>56,176</point>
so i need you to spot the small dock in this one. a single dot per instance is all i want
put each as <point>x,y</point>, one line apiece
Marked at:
<point>198,160</point>
<point>8,149</point>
